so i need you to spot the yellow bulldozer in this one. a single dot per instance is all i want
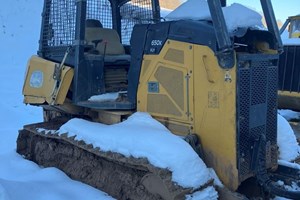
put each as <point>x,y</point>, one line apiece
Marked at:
<point>216,89</point>
<point>289,64</point>
<point>293,24</point>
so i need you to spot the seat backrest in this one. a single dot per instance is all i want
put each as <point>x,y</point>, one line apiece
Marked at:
<point>109,37</point>
<point>93,23</point>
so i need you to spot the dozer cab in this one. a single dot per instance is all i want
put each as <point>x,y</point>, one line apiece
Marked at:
<point>217,89</point>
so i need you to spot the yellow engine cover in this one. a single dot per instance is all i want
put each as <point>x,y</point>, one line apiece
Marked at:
<point>40,87</point>
<point>195,95</point>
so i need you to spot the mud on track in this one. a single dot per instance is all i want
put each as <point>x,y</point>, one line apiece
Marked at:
<point>119,176</point>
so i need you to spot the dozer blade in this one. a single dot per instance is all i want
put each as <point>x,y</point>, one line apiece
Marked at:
<point>119,176</point>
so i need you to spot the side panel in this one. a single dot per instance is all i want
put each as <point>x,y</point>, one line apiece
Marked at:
<point>166,89</point>
<point>215,114</point>
<point>185,89</point>
<point>40,87</point>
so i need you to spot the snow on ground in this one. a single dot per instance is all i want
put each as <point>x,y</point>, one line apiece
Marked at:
<point>105,97</point>
<point>288,146</point>
<point>236,15</point>
<point>128,138</point>
<point>289,164</point>
<point>20,178</point>
<point>208,193</point>
<point>289,114</point>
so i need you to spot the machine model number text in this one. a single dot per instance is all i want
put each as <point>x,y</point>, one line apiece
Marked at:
<point>156,43</point>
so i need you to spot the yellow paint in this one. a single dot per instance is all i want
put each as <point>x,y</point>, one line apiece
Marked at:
<point>215,114</point>
<point>152,65</point>
<point>264,47</point>
<point>295,35</point>
<point>42,90</point>
<point>209,99</point>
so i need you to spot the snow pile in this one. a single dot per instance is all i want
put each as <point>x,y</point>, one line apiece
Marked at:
<point>289,114</point>
<point>236,15</point>
<point>105,97</point>
<point>217,181</point>
<point>289,164</point>
<point>288,146</point>
<point>208,193</point>
<point>142,136</point>
<point>23,179</point>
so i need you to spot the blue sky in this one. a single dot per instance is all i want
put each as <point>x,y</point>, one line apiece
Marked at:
<point>282,8</point>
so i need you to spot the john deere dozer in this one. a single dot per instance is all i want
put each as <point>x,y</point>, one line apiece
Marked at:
<point>217,89</point>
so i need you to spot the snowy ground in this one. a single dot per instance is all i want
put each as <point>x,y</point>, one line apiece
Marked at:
<point>19,178</point>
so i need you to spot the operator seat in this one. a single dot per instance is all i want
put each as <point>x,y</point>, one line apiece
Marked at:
<point>106,42</point>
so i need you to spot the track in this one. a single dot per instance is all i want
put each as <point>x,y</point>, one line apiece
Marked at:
<point>119,176</point>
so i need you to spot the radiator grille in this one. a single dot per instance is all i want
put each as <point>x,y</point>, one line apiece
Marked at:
<point>257,107</point>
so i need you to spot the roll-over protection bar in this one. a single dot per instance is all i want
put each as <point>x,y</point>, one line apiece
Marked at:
<point>226,53</point>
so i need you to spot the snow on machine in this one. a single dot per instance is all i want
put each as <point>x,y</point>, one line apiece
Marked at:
<point>215,87</point>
